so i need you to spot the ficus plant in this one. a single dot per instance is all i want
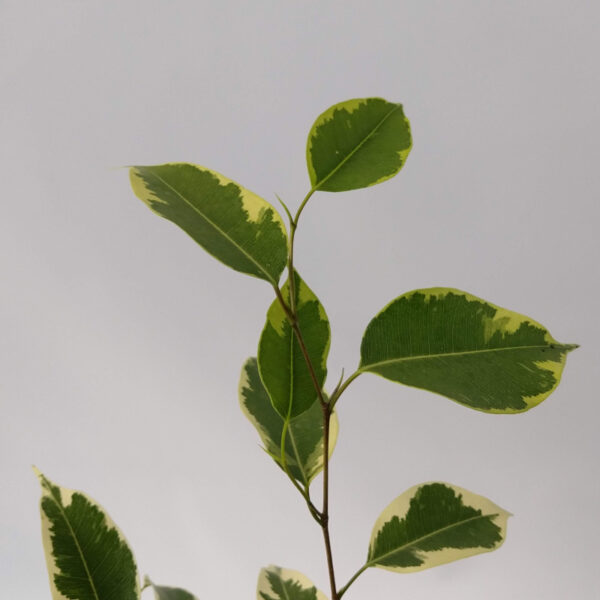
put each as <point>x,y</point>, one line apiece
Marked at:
<point>443,340</point>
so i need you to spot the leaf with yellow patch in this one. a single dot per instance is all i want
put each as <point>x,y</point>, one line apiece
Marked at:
<point>304,438</point>
<point>87,556</point>
<point>432,524</point>
<point>234,225</point>
<point>276,583</point>
<point>357,143</point>
<point>465,348</point>
<point>281,363</point>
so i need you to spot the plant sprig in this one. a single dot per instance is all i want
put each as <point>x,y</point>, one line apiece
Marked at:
<point>442,340</point>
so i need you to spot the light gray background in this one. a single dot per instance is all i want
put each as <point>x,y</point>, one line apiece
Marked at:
<point>122,341</point>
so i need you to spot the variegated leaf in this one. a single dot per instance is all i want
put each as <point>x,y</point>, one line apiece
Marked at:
<point>304,438</point>
<point>432,524</point>
<point>162,592</point>
<point>86,554</point>
<point>276,583</point>
<point>281,363</point>
<point>234,225</point>
<point>357,143</point>
<point>452,343</point>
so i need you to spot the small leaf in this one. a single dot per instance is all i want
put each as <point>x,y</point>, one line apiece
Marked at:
<point>432,524</point>
<point>86,554</point>
<point>234,225</point>
<point>304,440</point>
<point>162,592</point>
<point>357,143</point>
<point>474,352</point>
<point>281,363</point>
<point>276,583</point>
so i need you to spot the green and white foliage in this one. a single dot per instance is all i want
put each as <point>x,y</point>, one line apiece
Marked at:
<point>304,438</point>
<point>452,343</point>
<point>357,143</point>
<point>234,225</point>
<point>433,524</point>
<point>281,363</point>
<point>86,554</point>
<point>276,583</point>
<point>162,592</point>
<point>442,340</point>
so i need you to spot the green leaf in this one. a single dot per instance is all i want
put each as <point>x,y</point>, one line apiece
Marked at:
<point>86,554</point>
<point>478,354</point>
<point>281,363</point>
<point>357,143</point>
<point>276,583</point>
<point>234,225</point>
<point>304,439</point>
<point>433,524</point>
<point>162,592</point>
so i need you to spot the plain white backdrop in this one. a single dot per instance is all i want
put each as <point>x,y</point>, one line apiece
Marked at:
<point>121,340</point>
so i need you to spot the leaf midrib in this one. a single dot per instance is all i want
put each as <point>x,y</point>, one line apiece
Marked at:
<point>284,587</point>
<point>215,226</point>
<point>58,502</point>
<point>402,359</point>
<point>299,461</point>
<point>404,547</point>
<point>356,149</point>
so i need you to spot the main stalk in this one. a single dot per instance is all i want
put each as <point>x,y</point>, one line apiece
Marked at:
<point>326,407</point>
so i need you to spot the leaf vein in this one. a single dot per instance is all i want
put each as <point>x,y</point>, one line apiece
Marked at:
<point>429,535</point>
<point>401,359</point>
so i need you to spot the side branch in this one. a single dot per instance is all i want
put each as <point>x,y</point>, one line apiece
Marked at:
<point>352,580</point>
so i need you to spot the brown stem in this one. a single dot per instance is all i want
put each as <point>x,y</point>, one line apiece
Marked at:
<point>327,408</point>
<point>325,509</point>
<point>292,318</point>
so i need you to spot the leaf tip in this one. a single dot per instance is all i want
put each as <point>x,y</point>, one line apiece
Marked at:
<point>38,474</point>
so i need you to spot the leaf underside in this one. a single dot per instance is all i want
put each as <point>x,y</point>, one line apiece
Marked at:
<point>465,348</point>
<point>357,143</point>
<point>433,524</point>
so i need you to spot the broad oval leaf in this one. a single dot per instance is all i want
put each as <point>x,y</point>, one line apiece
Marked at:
<point>281,362</point>
<point>276,583</point>
<point>432,524</point>
<point>465,348</point>
<point>357,143</point>
<point>234,225</point>
<point>162,592</point>
<point>304,439</point>
<point>86,554</point>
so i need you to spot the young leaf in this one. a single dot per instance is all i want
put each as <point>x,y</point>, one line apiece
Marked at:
<point>234,225</point>
<point>433,524</point>
<point>275,583</point>
<point>162,592</point>
<point>357,143</point>
<point>478,354</point>
<point>86,554</point>
<point>304,439</point>
<point>281,362</point>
